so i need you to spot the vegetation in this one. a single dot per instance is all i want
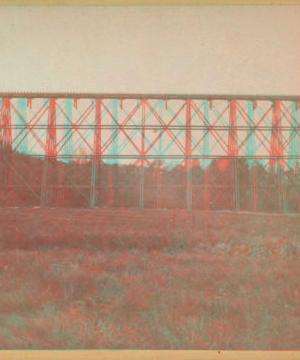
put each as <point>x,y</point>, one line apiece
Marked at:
<point>148,280</point>
<point>68,184</point>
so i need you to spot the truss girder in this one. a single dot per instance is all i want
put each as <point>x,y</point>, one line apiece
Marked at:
<point>165,131</point>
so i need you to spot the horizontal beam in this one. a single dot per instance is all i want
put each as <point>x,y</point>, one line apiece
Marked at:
<point>153,127</point>
<point>153,157</point>
<point>123,96</point>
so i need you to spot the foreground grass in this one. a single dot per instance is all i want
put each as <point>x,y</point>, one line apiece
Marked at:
<point>168,280</point>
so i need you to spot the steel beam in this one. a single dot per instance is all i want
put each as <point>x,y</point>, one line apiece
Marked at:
<point>250,151</point>
<point>97,153</point>
<point>164,96</point>
<point>21,123</point>
<point>51,153</point>
<point>160,164</point>
<point>142,170</point>
<point>233,151</point>
<point>188,148</point>
<point>276,164</point>
<point>206,195</point>
<point>113,163</point>
<point>6,138</point>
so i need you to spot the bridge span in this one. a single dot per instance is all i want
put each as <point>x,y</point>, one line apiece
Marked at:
<point>193,148</point>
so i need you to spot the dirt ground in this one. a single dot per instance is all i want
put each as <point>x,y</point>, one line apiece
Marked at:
<point>72,278</point>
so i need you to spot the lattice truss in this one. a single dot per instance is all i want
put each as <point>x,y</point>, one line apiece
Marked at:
<point>149,133</point>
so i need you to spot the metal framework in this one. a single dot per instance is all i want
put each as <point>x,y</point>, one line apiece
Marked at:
<point>111,130</point>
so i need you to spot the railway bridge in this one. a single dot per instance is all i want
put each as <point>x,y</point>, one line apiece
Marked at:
<point>118,150</point>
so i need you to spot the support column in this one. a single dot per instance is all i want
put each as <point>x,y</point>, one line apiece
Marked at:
<point>188,148</point>
<point>233,153</point>
<point>276,153</point>
<point>21,122</point>
<point>96,153</point>
<point>294,151</point>
<point>160,109</point>
<point>113,163</point>
<point>142,174</point>
<point>206,195</point>
<point>65,195</point>
<point>69,151</point>
<point>250,151</point>
<point>51,153</point>
<point>6,143</point>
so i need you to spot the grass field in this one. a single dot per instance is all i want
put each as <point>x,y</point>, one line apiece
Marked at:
<point>148,280</point>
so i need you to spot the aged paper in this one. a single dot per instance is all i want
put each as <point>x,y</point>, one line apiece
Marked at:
<point>149,178</point>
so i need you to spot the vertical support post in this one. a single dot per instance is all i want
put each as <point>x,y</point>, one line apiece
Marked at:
<point>236,186</point>
<point>254,192</point>
<point>276,150</point>
<point>250,151</point>
<point>60,192</point>
<point>233,152</point>
<point>293,147</point>
<point>6,138</point>
<point>97,152</point>
<point>44,182</point>
<point>160,109</point>
<point>283,191</point>
<point>6,122</point>
<point>188,148</point>
<point>113,177</point>
<point>142,174</point>
<point>206,195</point>
<point>21,135</point>
<point>294,136</point>
<point>21,121</point>
<point>158,203</point>
<point>51,152</point>
<point>64,196</point>
<point>276,153</point>
<point>69,149</point>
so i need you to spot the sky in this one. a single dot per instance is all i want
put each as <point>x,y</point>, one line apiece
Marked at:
<point>141,49</point>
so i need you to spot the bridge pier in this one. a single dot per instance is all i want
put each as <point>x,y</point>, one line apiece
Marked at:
<point>160,109</point>
<point>112,192</point>
<point>276,153</point>
<point>6,137</point>
<point>205,163</point>
<point>250,151</point>
<point>189,200</point>
<point>142,161</point>
<point>97,154</point>
<point>233,153</point>
<point>293,152</point>
<point>237,207</point>
<point>253,189</point>
<point>63,193</point>
<point>50,156</point>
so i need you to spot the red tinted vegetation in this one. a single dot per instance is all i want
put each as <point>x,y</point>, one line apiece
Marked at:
<point>68,184</point>
<point>148,280</point>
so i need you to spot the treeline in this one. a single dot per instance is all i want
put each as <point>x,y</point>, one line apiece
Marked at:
<point>31,181</point>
